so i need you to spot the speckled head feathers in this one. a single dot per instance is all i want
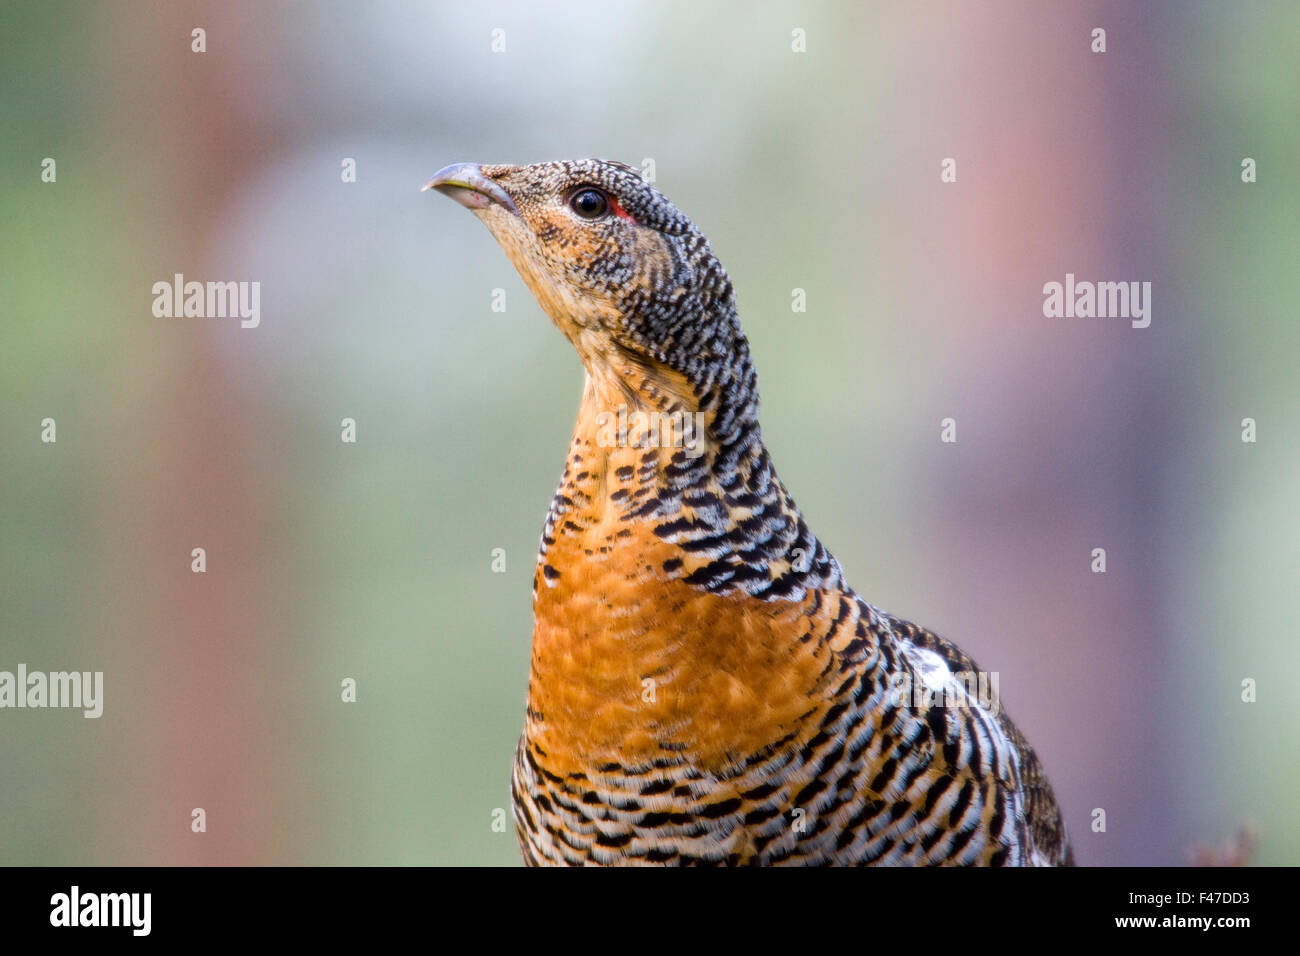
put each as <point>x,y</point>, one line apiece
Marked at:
<point>621,271</point>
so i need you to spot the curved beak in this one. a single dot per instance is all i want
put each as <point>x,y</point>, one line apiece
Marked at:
<point>465,183</point>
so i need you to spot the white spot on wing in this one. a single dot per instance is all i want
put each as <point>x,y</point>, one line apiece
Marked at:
<point>932,668</point>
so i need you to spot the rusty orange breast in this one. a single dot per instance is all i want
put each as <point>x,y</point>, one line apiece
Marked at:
<point>631,664</point>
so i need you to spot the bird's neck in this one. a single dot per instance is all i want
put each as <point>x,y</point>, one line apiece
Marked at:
<point>650,462</point>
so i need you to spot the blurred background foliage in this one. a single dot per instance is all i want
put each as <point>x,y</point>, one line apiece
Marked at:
<point>816,171</point>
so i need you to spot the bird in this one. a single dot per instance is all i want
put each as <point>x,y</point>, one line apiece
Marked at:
<point>705,687</point>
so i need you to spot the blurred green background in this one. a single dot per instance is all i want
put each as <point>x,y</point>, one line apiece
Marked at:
<point>815,170</point>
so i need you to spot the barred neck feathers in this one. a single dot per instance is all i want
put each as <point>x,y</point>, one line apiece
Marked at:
<point>646,457</point>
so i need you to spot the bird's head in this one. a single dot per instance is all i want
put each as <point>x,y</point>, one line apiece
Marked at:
<point>621,271</point>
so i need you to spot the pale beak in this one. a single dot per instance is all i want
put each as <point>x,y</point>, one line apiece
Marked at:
<point>465,183</point>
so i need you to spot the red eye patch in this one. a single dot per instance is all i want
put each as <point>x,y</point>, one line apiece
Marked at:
<point>619,211</point>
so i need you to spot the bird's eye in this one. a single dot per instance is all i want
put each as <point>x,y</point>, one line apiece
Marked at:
<point>589,203</point>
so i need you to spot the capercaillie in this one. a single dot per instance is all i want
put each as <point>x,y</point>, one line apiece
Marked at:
<point>705,686</point>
